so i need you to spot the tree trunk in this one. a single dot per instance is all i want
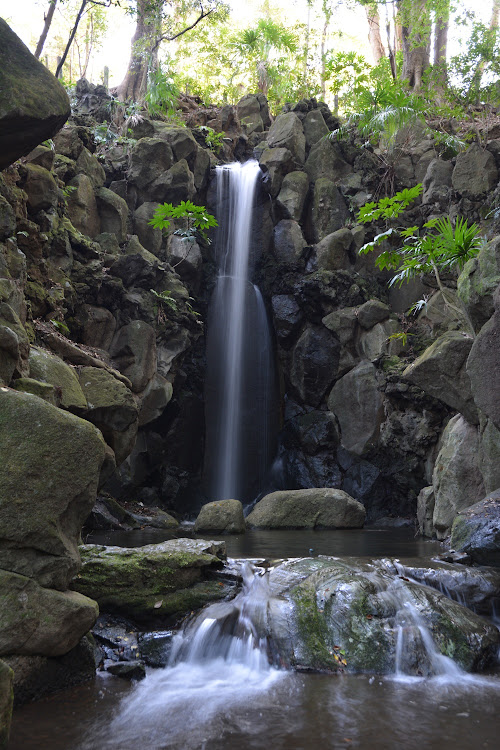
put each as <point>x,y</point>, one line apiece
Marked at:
<point>46,26</point>
<point>440,49</point>
<point>134,85</point>
<point>374,37</point>
<point>416,40</point>
<point>71,37</point>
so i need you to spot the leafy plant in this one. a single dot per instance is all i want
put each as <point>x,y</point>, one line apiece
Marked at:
<point>212,139</point>
<point>165,298</point>
<point>61,326</point>
<point>389,208</point>
<point>196,219</point>
<point>162,93</point>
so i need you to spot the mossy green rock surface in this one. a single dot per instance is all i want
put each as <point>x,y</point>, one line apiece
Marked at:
<point>48,368</point>
<point>6,701</point>
<point>151,583</point>
<point>221,517</point>
<point>33,104</point>
<point>319,508</point>
<point>346,614</point>
<point>37,620</point>
<point>49,469</point>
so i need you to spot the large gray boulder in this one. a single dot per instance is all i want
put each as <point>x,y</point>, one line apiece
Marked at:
<point>325,160</point>
<point>287,132</point>
<point>112,408</point>
<point>48,368</point>
<point>478,281</point>
<point>49,469</point>
<point>150,158</point>
<point>288,242</point>
<point>221,517</point>
<point>457,478</point>
<point>319,508</point>
<point>276,163</point>
<point>82,206</point>
<point>315,127</point>
<point>329,209</point>
<point>292,196</point>
<point>41,189</point>
<point>476,531</point>
<point>441,372</point>
<point>33,104</point>
<point>134,351</point>
<point>332,252</point>
<point>475,172</point>
<point>356,401</point>
<point>113,213</point>
<point>483,366</point>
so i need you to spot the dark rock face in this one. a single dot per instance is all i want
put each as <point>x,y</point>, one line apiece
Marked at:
<point>33,104</point>
<point>476,531</point>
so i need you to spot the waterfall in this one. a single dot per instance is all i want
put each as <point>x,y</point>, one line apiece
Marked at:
<point>240,382</point>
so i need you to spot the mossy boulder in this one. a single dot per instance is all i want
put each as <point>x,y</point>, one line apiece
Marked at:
<point>478,281</point>
<point>43,390</point>
<point>50,462</point>
<point>6,702</point>
<point>154,583</point>
<point>48,368</point>
<point>348,615</point>
<point>14,345</point>
<point>33,104</point>
<point>318,508</point>
<point>221,517</point>
<point>112,408</point>
<point>38,620</point>
<point>41,188</point>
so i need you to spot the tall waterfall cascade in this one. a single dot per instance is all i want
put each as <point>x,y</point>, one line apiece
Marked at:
<point>240,382</point>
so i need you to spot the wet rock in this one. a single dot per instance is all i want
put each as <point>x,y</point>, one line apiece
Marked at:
<point>37,676</point>
<point>38,620</point>
<point>315,360</point>
<point>358,405</point>
<point>221,517</point>
<point>33,104</point>
<point>289,242</point>
<point>53,460</point>
<point>476,531</point>
<point>347,615</point>
<point>155,647</point>
<point>157,582</point>
<point>128,670</point>
<point>457,479</point>
<point>441,372</point>
<point>293,194</point>
<point>50,369</point>
<point>318,508</point>
<point>287,315</point>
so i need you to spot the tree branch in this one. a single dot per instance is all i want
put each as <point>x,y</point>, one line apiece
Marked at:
<point>165,38</point>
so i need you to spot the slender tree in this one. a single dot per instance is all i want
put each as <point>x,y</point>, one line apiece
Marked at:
<point>374,37</point>
<point>47,20</point>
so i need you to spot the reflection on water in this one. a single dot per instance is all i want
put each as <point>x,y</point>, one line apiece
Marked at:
<point>179,710</point>
<point>277,544</point>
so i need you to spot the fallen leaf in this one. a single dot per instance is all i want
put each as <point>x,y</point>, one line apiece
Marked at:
<point>157,605</point>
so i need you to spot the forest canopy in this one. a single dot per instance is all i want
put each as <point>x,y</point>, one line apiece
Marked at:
<point>358,55</point>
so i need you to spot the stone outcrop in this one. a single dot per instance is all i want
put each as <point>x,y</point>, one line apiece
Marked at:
<point>476,531</point>
<point>221,517</point>
<point>307,509</point>
<point>33,104</point>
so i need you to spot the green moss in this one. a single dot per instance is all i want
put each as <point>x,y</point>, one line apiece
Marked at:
<point>312,629</point>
